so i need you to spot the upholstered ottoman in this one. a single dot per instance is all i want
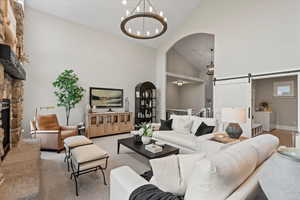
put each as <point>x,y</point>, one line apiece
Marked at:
<point>73,142</point>
<point>88,158</point>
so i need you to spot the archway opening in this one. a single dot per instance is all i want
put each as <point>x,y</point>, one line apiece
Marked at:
<point>189,86</point>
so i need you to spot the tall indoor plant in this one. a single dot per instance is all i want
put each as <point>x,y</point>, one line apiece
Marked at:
<point>68,92</point>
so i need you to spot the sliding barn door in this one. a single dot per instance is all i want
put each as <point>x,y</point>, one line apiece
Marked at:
<point>233,94</point>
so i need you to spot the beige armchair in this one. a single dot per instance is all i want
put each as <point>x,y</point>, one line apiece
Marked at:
<point>51,134</point>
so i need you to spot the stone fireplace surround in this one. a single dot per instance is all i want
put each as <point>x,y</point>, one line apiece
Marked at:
<point>12,89</point>
<point>20,169</point>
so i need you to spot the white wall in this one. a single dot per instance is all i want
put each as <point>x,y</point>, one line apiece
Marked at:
<point>192,96</point>
<point>177,64</point>
<point>173,96</point>
<point>250,36</point>
<point>187,96</point>
<point>100,60</point>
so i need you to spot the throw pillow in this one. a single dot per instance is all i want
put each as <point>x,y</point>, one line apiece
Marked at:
<point>198,120</point>
<point>182,125</point>
<point>204,129</point>
<point>172,173</point>
<point>166,125</point>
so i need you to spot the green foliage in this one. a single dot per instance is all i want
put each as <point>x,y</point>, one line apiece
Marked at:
<point>145,130</point>
<point>68,92</point>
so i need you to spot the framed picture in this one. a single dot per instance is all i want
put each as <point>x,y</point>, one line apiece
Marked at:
<point>106,97</point>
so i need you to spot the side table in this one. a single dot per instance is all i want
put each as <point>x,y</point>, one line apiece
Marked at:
<point>81,130</point>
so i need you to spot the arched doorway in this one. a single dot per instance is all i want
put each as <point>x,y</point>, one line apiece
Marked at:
<point>188,87</point>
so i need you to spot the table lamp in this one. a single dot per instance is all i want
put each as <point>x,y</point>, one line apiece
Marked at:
<point>234,116</point>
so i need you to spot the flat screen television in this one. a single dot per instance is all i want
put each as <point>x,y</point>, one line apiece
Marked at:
<point>106,97</point>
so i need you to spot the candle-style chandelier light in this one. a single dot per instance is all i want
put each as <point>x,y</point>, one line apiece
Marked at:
<point>144,21</point>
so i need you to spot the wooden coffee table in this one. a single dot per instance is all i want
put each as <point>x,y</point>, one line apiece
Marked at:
<point>140,149</point>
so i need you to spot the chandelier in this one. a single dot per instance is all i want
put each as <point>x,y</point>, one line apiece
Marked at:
<point>211,66</point>
<point>144,21</point>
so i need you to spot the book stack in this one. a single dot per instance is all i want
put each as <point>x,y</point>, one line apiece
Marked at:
<point>153,148</point>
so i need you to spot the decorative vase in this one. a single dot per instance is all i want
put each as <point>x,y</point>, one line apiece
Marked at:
<point>146,140</point>
<point>234,130</point>
<point>126,104</point>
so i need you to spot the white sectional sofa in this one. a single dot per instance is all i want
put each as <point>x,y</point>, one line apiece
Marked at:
<point>188,142</point>
<point>231,174</point>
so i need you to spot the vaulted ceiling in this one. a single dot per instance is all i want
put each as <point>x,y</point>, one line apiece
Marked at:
<point>105,15</point>
<point>196,49</point>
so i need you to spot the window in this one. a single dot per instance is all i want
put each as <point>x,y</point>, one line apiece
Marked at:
<point>284,89</point>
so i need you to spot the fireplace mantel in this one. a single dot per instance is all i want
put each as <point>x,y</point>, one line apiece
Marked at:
<point>12,66</point>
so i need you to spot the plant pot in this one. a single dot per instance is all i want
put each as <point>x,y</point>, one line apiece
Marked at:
<point>138,139</point>
<point>146,139</point>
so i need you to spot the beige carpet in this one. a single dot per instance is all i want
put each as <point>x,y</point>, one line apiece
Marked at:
<point>56,183</point>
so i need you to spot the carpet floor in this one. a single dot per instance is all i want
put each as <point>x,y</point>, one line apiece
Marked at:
<point>56,182</point>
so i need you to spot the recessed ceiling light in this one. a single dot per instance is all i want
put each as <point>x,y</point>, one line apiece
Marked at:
<point>180,83</point>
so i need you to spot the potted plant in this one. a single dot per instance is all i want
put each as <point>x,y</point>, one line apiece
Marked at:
<point>68,92</point>
<point>146,132</point>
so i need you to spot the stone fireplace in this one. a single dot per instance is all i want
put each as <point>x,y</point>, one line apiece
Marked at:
<point>5,124</point>
<point>12,73</point>
<point>11,90</point>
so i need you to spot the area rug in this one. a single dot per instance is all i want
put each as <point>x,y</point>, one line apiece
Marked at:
<point>56,182</point>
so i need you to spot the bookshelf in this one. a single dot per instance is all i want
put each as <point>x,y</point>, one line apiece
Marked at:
<point>145,103</point>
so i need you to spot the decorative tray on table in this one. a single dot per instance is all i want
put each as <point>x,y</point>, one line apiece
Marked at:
<point>293,153</point>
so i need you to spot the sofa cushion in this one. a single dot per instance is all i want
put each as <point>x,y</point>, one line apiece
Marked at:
<point>265,146</point>
<point>184,140</point>
<point>210,148</point>
<point>187,164</point>
<point>76,141</point>
<point>166,125</point>
<point>203,129</point>
<point>181,124</point>
<point>218,176</point>
<point>166,173</point>
<point>88,153</point>
<point>172,173</point>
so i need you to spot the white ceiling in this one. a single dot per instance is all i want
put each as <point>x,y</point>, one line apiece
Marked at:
<point>196,49</point>
<point>105,15</point>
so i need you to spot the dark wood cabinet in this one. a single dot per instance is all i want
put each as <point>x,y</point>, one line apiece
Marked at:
<point>145,103</point>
